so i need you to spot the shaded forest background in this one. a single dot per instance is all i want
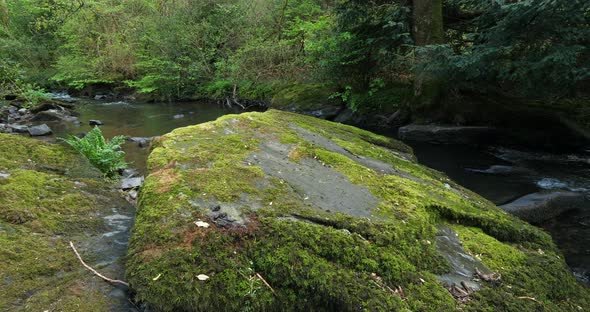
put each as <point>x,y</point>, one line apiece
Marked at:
<point>375,56</point>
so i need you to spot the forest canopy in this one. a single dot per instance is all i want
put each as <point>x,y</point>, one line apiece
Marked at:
<point>184,49</point>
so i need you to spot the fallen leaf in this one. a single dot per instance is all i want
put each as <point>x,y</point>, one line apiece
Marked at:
<point>202,277</point>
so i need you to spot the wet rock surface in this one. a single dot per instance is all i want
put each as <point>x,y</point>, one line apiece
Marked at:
<point>464,266</point>
<point>447,134</point>
<point>542,206</point>
<point>131,183</point>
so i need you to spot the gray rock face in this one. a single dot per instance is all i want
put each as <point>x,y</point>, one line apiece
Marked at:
<point>463,265</point>
<point>131,183</point>
<point>500,170</point>
<point>40,130</point>
<point>538,207</point>
<point>446,134</point>
<point>19,128</point>
<point>53,115</point>
<point>317,185</point>
<point>141,141</point>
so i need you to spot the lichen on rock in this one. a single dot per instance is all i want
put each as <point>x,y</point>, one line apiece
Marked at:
<point>305,214</point>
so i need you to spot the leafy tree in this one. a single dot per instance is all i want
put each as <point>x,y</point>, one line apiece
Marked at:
<point>538,48</point>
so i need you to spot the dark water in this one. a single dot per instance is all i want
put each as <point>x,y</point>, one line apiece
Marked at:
<point>139,120</point>
<point>502,175</point>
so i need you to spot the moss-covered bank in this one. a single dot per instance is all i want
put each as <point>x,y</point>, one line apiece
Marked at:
<point>280,194</point>
<point>49,196</point>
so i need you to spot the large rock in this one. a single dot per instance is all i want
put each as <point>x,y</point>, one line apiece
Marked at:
<point>51,104</point>
<point>282,212</point>
<point>54,115</point>
<point>538,207</point>
<point>446,134</point>
<point>50,196</point>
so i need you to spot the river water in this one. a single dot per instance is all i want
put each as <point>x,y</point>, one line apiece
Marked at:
<point>498,174</point>
<point>502,175</point>
<point>139,120</point>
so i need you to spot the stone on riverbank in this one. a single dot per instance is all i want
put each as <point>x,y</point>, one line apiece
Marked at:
<point>48,196</point>
<point>39,130</point>
<point>542,206</point>
<point>332,218</point>
<point>446,134</point>
<point>309,99</point>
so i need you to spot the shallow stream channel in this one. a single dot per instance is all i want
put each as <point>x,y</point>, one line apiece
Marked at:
<point>498,174</point>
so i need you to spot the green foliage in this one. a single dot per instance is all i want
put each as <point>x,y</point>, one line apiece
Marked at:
<point>105,155</point>
<point>253,49</point>
<point>516,46</point>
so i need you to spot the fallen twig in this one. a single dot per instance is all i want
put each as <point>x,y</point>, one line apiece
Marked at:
<point>265,282</point>
<point>110,280</point>
<point>528,298</point>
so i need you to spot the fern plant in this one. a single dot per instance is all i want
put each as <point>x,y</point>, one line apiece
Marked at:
<point>105,155</point>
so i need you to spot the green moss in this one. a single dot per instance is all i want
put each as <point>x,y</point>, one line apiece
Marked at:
<point>315,259</point>
<point>22,152</point>
<point>526,273</point>
<point>304,97</point>
<point>42,208</point>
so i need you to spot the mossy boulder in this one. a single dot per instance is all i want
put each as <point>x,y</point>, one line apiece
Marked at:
<point>277,211</point>
<point>49,196</point>
<point>310,99</point>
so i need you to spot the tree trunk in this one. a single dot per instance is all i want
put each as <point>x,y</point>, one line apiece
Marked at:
<point>428,30</point>
<point>4,19</point>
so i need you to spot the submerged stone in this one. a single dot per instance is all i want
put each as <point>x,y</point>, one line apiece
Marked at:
<point>307,215</point>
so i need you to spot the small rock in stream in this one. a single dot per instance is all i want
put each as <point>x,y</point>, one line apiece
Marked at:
<point>178,116</point>
<point>18,128</point>
<point>131,183</point>
<point>95,122</point>
<point>40,130</point>
<point>141,141</point>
